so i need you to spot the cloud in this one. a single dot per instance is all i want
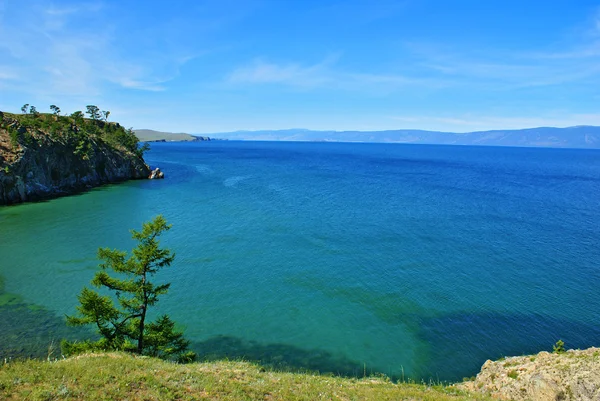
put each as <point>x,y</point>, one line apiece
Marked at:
<point>293,74</point>
<point>83,7</point>
<point>74,50</point>
<point>507,76</point>
<point>325,74</point>
<point>55,18</point>
<point>7,74</point>
<point>573,60</point>
<point>476,70</point>
<point>141,85</point>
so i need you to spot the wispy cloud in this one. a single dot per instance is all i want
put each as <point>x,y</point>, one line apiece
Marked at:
<point>92,7</point>
<point>324,74</point>
<point>441,65</point>
<point>55,18</point>
<point>293,74</point>
<point>575,61</point>
<point>59,54</point>
<point>510,76</point>
<point>7,74</point>
<point>142,85</point>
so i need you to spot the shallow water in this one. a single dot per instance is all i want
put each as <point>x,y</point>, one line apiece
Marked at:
<point>422,261</point>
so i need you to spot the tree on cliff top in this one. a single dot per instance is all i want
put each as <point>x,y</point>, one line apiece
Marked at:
<point>125,326</point>
<point>55,109</point>
<point>93,111</point>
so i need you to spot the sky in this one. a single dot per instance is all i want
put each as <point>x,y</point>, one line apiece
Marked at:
<point>209,66</point>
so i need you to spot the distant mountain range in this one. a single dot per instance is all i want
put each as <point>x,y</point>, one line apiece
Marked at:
<point>571,137</point>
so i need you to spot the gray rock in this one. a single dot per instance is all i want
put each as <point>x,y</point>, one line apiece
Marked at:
<point>156,174</point>
<point>573,375</point>
<point>49,168</point>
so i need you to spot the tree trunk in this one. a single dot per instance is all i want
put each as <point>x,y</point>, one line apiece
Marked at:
<point>140,346</point>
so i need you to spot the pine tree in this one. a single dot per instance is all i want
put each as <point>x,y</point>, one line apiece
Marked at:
<point>55,109</point>
<point>124,326</point>
<point>93,111</point>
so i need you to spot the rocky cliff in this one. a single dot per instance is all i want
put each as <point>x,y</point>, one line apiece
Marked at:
<point>45,156</point>
<point>572,375</point>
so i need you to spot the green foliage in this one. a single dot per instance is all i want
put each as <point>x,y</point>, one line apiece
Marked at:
<point>161,340</point>
<point>14,137</point>
<point>83,149</point>
<point>123,326</point>
<point>77,117</point>
<point>80,347</point>
<point>19,136</point>
<point>143,149</point>
<point>513,374</point>
<point>559,347</point>
<point>120,137</point>
<point>55,129</point>
<point>93,112</point>
<point>76,130</point>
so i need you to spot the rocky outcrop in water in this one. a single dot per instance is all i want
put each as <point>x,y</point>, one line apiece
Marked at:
<point>39,164</point>
<point>156,174</point>
<point>572,375</point>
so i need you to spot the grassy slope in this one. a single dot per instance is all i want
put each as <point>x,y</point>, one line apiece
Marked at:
<point>151,135</point>
<point>18,130</point>
<point>121,376</point>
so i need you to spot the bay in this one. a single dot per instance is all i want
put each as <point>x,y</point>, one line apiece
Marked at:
<point>416,261</point>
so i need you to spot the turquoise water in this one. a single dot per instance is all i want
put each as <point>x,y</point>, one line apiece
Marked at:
<point>409,260</point>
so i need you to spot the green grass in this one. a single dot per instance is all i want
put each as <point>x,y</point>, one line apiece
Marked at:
<point>77,132</point>
<point>121,376</point>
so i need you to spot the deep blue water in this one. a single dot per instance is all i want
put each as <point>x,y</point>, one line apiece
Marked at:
<point>413,260</point>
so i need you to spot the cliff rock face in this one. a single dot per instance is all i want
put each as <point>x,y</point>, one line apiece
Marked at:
<point>573,375</point>
<point>47,167</point>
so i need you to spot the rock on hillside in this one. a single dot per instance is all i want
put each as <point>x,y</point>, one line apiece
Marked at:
<point>37,164</point>
<point>573,375</point>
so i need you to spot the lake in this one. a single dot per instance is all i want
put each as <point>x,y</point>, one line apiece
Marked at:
<point>415,261</point>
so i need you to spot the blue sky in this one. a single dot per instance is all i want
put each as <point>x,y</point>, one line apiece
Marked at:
<point>213,66</point>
